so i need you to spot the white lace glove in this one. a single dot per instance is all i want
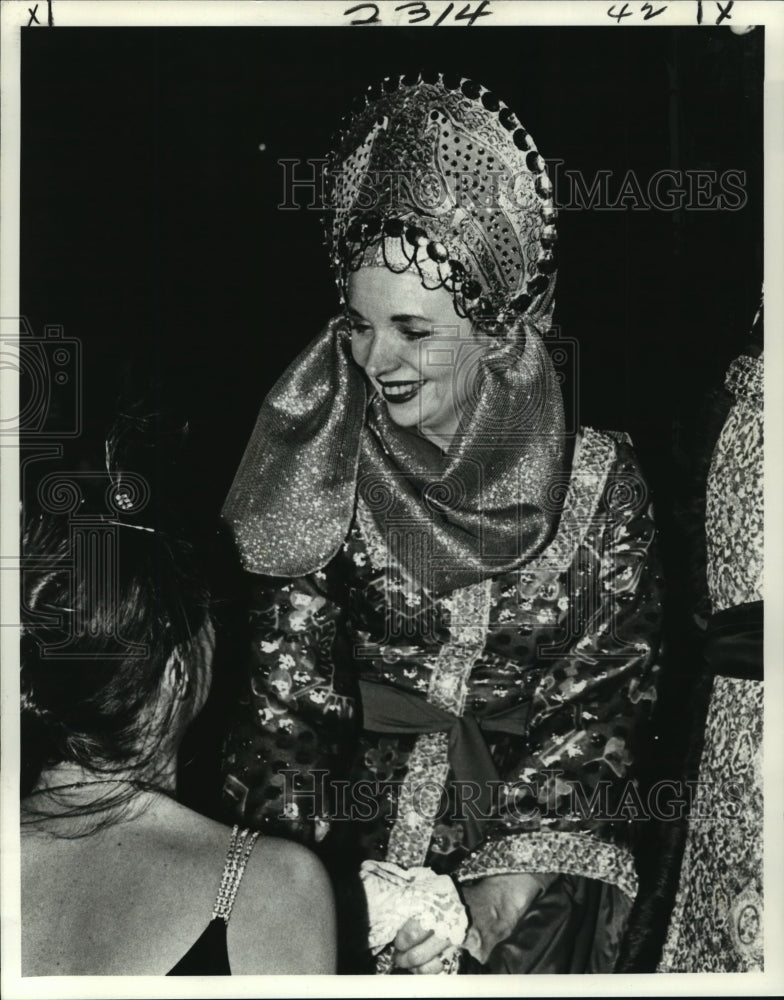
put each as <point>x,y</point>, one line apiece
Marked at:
<point>396,894</point>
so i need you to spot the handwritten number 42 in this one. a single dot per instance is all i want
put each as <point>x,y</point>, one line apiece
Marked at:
<point>418,12</point>
<point>648,11</point>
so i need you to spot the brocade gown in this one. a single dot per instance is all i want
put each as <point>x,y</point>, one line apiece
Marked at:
<point>372,712</point>
<point>717,921</point>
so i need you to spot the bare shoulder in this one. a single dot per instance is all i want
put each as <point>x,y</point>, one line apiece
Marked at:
<point>195,837</point>
<point>291,864</point>
<point>283,920</point>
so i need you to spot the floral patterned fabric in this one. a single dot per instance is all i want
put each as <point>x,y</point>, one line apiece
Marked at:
<point>570,640</point>
<point>734,503</point>
<point>716,924</point>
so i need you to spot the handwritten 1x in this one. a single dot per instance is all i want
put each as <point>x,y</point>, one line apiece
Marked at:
<point>646,9</point>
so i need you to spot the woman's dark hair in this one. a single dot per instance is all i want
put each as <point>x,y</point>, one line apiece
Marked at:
<point>106,602</point>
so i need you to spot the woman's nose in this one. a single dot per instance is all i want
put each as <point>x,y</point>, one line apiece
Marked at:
<point>381,354</point>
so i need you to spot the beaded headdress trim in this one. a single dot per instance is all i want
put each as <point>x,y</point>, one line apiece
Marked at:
<point>438,175</point>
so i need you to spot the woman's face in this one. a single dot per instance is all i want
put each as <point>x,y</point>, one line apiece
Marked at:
<point>415,349</point>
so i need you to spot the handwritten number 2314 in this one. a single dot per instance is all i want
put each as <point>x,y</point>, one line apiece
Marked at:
<point>418,11</point>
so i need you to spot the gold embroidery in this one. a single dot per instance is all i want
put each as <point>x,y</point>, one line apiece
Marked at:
<point>586,482</point>
<point>557,851</point>
<point>428,765</point>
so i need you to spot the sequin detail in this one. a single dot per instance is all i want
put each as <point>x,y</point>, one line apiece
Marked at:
<point>556,851</point>
<point>371,536</point>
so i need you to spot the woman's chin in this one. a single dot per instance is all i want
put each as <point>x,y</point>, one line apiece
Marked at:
<point>405,414</point>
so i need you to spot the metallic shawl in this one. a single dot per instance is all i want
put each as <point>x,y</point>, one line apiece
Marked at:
<point>324,438</point>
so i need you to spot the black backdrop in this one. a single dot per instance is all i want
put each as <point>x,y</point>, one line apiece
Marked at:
<point>151,232</point>
<point>151,229</point>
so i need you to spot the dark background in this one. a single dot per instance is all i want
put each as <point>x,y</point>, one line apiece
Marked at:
<point>151,230</point>
<point>151,233</point>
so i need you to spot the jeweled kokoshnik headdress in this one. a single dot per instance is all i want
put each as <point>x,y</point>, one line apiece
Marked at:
<point>436,177</point>
<point>443,178</point>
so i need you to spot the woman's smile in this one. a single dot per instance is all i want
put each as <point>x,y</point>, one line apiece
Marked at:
<point>396,392</point>
<point>415,350</point>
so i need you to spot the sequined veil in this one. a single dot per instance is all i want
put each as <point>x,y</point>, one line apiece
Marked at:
<point>439,178</point>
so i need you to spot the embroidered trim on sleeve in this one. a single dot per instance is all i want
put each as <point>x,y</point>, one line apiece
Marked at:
<point>584,493</point>
<point>566,853</point>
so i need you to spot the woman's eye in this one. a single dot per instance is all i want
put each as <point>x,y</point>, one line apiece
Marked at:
<point>359,328</point>
<point>415,334</point>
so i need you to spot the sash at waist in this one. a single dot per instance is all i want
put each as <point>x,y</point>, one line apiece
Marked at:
<point>734,642</point>
<point>389,709</point>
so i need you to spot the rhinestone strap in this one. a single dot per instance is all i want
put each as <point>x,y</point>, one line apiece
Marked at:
<point>240,846</point>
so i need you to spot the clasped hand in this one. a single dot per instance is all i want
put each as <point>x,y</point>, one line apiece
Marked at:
<point>495,906</point>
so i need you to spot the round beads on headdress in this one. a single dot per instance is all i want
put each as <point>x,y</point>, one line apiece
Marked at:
<point>437,252</point>
<point>497,258</point>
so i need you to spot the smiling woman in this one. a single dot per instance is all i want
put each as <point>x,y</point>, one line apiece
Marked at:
<point>455,603</point>
<point>422,360</point>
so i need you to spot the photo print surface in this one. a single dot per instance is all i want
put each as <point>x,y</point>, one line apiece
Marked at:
<point>390,455</point>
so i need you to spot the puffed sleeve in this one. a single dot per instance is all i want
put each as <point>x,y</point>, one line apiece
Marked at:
<point>569,797</point>
<point>296,711</point>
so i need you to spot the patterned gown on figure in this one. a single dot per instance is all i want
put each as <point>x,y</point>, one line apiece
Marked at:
<point>371,711</point>
<point>716,924</point>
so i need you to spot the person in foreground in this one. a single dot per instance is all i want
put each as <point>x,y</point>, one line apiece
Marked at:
<point>118,878</point>
<point>455,603</point>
